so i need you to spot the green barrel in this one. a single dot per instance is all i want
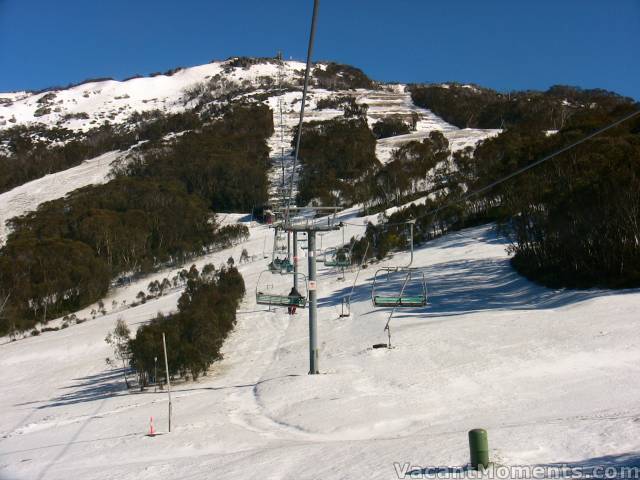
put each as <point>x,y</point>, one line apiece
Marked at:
<point>479,448</point>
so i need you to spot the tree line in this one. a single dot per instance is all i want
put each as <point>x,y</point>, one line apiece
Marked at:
<point>30,154</point>
<point>573,221</point>
<point>226,159</point>
<point>340,165</point>
<point>337,76</point>
<point>158,209</point>
<point>336,155</point>
<point>471,106</point>
<point>195,334</point>
<point>394,125</point>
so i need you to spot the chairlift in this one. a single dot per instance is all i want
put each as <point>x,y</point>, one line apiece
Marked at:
<point>340,256</point>
<point>280,241</point>
<point>337,257</point>
<point>345,310</point>
<point>401,286</point>
<point>394,287</point>
<point>266,294</point>
<point>280,263</point>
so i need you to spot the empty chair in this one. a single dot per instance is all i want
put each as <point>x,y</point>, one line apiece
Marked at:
<point>399,288</point>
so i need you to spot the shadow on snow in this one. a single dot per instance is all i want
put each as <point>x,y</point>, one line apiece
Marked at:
<point>619,466</point>
<point>458,287</point>
<point>88,389</point>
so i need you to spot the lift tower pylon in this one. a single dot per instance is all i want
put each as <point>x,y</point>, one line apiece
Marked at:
<point>311,227</point>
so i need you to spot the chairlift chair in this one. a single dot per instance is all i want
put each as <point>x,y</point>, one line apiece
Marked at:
<point>280,241</point>
<point>280,265</point>
<point>337,257</point>
<point>386,292</point>
<point>413,290</point>
<point>265,294</point>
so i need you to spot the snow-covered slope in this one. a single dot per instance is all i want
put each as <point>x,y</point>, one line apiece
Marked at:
<point>393,100</point>
<point>397,101</point>
<point>114,101</point>
<point>286,115</point>
<point>28,196</point>
<point>550,374</point>
<point>92,104</point>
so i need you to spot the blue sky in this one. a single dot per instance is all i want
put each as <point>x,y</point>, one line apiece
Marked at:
<point>505,45</point>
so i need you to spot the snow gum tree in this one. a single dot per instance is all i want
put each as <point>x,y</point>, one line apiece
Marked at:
<point>118,339</point>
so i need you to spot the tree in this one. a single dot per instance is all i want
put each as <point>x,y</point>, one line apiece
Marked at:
<point>391,126</point>
<point>4,298</point>
<point>154,288</point>
<point>156,210</point>
<point>206,314</point>
<point>118,339</point>
<point>164,285</point>
<point>141,297</point>
<point>335,154</point>
<point>208,272</point>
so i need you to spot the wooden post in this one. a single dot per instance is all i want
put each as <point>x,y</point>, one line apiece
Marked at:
<point>166,366</point>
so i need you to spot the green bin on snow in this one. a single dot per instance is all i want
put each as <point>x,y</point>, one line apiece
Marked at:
<point>479,448</point>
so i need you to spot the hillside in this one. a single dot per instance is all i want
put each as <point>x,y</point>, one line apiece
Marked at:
<point>114,101</point>
<point>175,159</point>
<point>83,108</point>
<point>535,367</point>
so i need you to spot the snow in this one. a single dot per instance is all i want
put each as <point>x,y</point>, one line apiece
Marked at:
<point>115,101</point>
<point>549,373</point>
<point>392,100</point>
<point>398,102</point>
<point>28,196</point>
<point>288,104</point>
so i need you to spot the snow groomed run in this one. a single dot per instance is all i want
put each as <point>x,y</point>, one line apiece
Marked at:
<point>548,373</point>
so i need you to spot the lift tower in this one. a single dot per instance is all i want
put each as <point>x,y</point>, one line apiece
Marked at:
<point>308,221</point>
<point>310,224</point>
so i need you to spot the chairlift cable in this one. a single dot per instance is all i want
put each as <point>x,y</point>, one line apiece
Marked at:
<point>517,172</point>
<point>304,101</point>
<point>532,165</point>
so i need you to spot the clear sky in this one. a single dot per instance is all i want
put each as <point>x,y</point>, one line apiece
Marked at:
<point>503,44</point>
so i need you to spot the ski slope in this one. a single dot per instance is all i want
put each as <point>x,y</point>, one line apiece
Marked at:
<point>551,374</point>
<point>286,116</point>
<point>28,196</point>
<point>89,105</point>
<point>114,101</point>
<point>396,101</point>
<point>392,100</point>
